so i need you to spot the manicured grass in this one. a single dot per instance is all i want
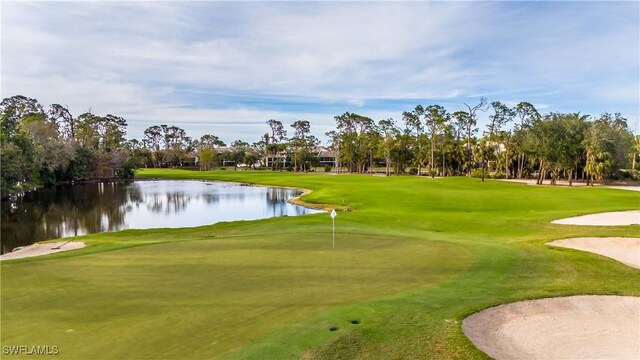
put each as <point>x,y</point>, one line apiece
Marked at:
<point>413,258</point>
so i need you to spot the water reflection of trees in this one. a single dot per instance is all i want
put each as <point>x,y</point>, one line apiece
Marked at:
<point>167,203</point>
<point>275,195</point>
<point>135,194</point>
<point>234,196</point>
<point>211,198</point>
<point>277,201</point>
<point>97,207</point>
<point>176,201</point>
<point>63,211</point>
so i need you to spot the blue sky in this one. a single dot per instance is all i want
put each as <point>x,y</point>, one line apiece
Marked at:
<point>227,67</point>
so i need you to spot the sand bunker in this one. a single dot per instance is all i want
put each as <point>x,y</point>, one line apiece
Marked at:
<point>628,187</point>
<point>575,327</point>
<point>625,250</point>
<point>42,249</point>
<point>561,183</point>
<point>614,218</point>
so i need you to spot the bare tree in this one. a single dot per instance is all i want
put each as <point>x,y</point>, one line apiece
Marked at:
<point>471,123</point>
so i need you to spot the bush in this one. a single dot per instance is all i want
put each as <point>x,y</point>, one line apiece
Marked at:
<point>126,172</point>
<point>47,177</point>
<point>327,168</point>
<point>621,174</point>
<point>476,173</point>
<point>413,171</point>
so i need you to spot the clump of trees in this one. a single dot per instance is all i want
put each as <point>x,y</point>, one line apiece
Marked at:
<point>517,142</point>
<point>44,146</point>
<point>168,146</point>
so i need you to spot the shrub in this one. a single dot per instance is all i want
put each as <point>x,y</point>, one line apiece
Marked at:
<point>327,168</point>
<point>621,174</point>
<point>477,173</point>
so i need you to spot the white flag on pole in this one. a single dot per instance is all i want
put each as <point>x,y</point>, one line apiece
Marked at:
<point>333,220</point>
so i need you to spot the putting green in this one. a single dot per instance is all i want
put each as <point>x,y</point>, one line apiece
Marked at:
<point>414,258</point>
<point>212,295</point>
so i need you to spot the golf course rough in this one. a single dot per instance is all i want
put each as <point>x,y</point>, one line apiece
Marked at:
<point>413,259</point>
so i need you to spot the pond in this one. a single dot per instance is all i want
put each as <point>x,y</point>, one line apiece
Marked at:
<point>71,210</point>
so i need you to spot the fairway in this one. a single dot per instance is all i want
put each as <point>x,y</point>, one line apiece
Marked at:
<point>414,256</point>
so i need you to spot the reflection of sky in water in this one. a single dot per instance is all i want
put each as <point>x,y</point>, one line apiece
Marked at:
<point>67,210</point>
<point>192,203</point>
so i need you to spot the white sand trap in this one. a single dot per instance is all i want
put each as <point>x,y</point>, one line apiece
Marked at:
<point>575,183</point>
<point>625,250</point>
<point>614,218</point>
<point>42,249</point>
<point>628,187</point>
<point>575,327</point>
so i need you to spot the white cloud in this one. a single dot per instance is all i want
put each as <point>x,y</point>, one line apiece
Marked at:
<point>148,61</point>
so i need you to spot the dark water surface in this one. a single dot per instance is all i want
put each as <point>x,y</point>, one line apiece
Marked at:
<point>70,210</point>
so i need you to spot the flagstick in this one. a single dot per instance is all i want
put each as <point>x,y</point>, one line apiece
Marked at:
<point>334,232</point>
<point>333,219</point>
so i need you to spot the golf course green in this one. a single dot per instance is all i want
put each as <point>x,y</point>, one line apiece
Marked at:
<point>414,256</point>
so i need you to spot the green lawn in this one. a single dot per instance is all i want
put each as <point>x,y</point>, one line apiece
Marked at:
<point>413,258</point>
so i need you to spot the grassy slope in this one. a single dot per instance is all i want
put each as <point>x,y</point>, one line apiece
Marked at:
<point>414,258</point>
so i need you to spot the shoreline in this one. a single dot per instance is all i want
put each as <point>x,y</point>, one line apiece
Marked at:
<point>295,200</point>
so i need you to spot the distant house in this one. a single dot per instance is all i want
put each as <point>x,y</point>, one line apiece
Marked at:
<point>224,153</point>
<point>325,156</point>
<point>191,159</point>
<point>279,158</point>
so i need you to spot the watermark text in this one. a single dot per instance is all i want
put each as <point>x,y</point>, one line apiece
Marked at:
<point>30,350</point>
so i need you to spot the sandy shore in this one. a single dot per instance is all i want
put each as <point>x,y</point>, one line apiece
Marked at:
<point>614,218</point>
<point>43,249</point>
<point>575,327</point>
<point>631,187</point>
<point>625,250</point>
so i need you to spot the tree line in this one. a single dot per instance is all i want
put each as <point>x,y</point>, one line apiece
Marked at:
<point>44,146</point>
<point>518,142</point>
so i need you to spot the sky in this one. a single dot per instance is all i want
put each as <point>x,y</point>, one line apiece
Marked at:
<point>225,68</point>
